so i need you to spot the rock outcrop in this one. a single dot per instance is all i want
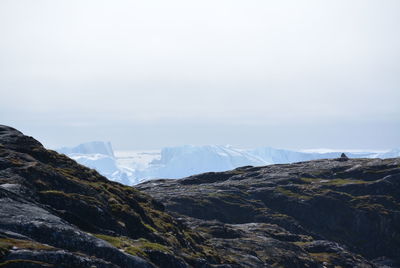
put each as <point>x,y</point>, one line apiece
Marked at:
<point>57,213</point>
<point>325,213</point>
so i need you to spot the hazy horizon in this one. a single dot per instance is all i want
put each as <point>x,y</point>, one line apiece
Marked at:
<point>305,150</point>
<point>146,75</point>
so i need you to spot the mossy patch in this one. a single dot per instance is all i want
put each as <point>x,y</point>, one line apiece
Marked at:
<point>147,245</point>
<point>323,257</point>
<point>301,243</point>
<point>15,162</point>
<point>7,243</point>
<point>123,243</point>
<point>4,249</point>
<point>134,247</point>
<point>88,199</point>
<point>323,181</point>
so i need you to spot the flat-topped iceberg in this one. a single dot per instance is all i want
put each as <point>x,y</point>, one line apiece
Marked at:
<point>182,161</point>
<point>93,147</point>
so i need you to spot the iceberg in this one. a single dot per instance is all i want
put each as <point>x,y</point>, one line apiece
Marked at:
<point>133,167</point>
<point>183,161</point>
<point>282,156</point>
<point>100,156</point>
<point>93,147</point>
<point>390,154</point>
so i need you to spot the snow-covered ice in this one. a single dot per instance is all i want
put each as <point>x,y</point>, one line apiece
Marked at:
<point>133,167</point>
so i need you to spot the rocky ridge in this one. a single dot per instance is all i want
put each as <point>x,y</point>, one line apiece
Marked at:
<point>57,213</point>
<point>333,213</point>
<point>325,213</point>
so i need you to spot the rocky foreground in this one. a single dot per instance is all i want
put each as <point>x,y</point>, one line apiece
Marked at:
<point>325,213</point>
<point>57,213</point>
<point>334,213</point>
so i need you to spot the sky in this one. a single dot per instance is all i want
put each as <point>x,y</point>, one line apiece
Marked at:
<point>148,74</point>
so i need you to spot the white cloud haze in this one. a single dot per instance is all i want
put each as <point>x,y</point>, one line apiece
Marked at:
<point>147,74</point>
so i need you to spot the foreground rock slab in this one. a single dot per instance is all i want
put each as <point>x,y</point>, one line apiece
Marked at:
<point>57,213</point>
<point>326,213</point>
<point>338,213</point>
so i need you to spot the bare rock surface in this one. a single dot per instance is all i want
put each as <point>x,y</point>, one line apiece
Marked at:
<point>57,213</point>
<point>323,213</point>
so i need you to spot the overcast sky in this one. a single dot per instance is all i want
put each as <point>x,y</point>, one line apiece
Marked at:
<point>147,74</point>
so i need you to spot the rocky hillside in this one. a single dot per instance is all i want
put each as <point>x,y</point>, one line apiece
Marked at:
<point>326,213</point>
<point>323,213</point>
<point>57,213</point>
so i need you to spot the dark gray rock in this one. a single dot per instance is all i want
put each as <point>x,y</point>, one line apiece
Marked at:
<point>342,213</point>
<point>55,212</point>
<point>322,213</point>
